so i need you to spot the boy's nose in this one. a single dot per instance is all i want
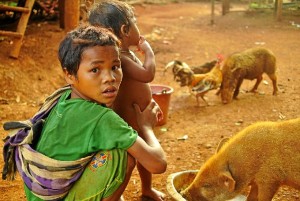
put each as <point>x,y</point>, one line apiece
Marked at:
<point>109,76</point>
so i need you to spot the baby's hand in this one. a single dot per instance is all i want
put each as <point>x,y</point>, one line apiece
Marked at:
<point>143,45</point>
<point>142,39</point>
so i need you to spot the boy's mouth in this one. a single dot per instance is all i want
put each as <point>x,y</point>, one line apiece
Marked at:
<point>110,91</point>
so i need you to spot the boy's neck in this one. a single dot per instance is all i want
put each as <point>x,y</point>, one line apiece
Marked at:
<point>76,94</point>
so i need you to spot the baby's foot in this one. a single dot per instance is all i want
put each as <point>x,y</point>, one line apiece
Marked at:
<point>153,195</point>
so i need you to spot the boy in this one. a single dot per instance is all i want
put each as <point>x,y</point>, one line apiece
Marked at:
<point>81,129</point>
<point>119,17</point>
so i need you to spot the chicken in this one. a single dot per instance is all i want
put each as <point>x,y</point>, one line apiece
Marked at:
<point>177,65</point>
<point>204,68</point>
<point>198,83</point>
<point>202,83</point>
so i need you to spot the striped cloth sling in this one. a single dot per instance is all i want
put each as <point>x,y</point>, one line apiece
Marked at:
<point>47,178</point>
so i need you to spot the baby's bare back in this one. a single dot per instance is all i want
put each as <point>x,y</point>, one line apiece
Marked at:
<point>130,92</point>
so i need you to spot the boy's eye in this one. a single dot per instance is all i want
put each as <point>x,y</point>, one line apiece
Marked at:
<point>95,70</point>
<point>116,67</point>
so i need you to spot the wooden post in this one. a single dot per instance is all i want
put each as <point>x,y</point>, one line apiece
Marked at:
<point>212,20</point>
<point>71,14</point>
<point>225,6</point>
<point>61,8</point>
<point>278,10</point>
<point>21,28</point>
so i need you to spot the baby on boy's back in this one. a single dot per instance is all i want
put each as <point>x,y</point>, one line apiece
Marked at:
<point>134,87</point>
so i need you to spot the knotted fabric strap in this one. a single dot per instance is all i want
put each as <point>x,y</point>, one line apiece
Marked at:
<point>47,178</point>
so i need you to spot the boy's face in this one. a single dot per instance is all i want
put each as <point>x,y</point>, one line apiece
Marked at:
<point>99,75</point>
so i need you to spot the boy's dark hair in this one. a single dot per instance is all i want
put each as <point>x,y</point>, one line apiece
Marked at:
<point>76,41</point>
<point>111,14</point>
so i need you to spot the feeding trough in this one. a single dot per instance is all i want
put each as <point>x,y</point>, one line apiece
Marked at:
<point>162,95</point>
<point>179,181</point>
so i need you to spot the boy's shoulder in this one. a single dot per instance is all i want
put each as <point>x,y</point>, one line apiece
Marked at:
<point>80,107</point>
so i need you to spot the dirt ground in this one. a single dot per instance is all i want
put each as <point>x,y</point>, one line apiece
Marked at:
<point>176,31</point>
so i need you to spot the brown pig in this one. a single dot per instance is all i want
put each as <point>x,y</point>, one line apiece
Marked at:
<point>261,157</point>
<point>249,64</point>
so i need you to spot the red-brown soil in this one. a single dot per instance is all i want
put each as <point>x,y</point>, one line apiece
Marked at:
<point>176,31</point>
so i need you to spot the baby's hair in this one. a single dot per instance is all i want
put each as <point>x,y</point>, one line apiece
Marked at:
<point>111,14</point>
<point>76,41</point>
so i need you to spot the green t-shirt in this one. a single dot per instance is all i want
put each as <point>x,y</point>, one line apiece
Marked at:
<point>76,128</point>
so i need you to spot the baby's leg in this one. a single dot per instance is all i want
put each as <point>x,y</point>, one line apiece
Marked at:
<point>148,193</point>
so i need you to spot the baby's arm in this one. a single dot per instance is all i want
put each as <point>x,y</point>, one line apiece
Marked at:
<point>141,72</point>
<point>148,152</point>
<point>149,61</point>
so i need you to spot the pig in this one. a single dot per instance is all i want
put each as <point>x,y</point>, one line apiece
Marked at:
<point>255,162</point>
<point>249,64</point>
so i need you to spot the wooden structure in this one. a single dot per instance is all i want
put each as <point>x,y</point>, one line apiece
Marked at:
<point>69,19</point>
<point>22,24</point>
<point>278,10</point>
<point>226,9</point>
<point>69,11</point>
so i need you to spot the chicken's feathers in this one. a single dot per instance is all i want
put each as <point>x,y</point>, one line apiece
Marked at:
<point>176,63</point>
<point>203,86</point>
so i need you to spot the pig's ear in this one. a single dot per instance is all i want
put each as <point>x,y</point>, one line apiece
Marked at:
<point>221,143</point>
<point>227,180</point>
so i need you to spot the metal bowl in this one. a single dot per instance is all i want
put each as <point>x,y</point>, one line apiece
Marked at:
<point>179,181</point>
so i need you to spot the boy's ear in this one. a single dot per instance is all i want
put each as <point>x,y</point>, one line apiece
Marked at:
<point>68,77</point>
